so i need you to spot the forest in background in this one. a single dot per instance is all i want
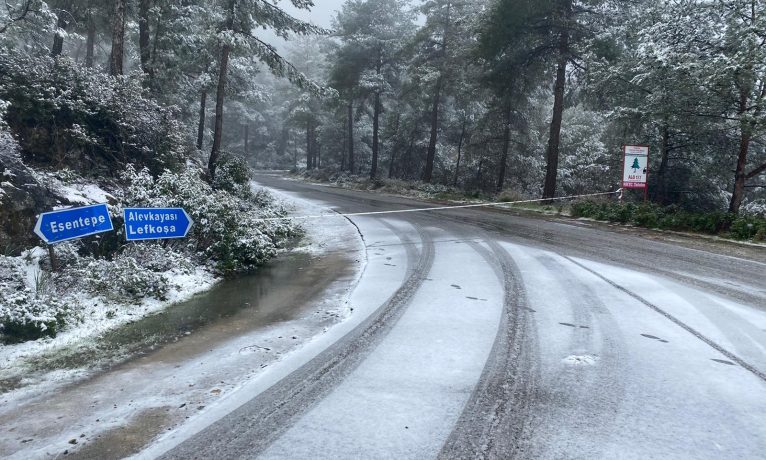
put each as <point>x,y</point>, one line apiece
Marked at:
<point>538,97</point>
<point>533,96</point>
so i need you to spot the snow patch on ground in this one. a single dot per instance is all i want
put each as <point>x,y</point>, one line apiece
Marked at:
<point>332,234</point>
<point>72,189</point>
<point>98,316</point>
<point>581,360</point>
<point>84,194</point>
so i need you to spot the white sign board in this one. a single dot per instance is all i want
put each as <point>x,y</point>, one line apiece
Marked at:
<point>635,164</point>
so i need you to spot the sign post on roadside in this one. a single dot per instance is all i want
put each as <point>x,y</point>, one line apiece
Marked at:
<point>156,223</point>
<point>68,224</point>
<point>635,167</point>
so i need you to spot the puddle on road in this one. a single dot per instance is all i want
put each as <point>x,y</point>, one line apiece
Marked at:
<point>123,441</point>
<point>293,288</point>
<point>228,299</point>
<point>276,292</point>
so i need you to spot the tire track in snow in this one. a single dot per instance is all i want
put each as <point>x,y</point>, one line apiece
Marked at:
<point>584,398</point>
<point>755,371</point>
<point>494,421</point>
<point>662,259</point>
<point>251,428</point>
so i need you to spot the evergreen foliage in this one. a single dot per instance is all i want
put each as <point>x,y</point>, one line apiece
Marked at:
<point>65,115</point>
<point>446,98</point>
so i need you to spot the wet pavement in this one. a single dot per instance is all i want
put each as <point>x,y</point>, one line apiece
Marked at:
<point>149,375</point>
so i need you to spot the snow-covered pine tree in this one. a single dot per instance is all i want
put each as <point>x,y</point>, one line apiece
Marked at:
<point>373,34</point>
<point>238,31</point>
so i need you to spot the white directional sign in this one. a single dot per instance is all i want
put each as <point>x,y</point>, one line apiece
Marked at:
<point>635,164</point>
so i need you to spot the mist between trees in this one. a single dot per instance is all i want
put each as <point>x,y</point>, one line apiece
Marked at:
<point>536,96</point>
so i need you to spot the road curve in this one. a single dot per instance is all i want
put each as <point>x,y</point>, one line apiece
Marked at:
<point>514,337</point>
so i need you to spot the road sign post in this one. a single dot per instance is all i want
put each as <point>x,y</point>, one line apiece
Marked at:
<point>68,224</point>
<point>635,167</point>
<point>156,223</point>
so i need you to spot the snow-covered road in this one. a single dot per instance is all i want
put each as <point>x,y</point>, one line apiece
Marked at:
<point>478,334</point>
<point>452,334</point>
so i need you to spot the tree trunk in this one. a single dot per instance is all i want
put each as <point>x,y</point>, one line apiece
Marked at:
<point>78,52</point>
<point>740,177</point>
<point>395,146</point>
<point>408,153</point>
<point>350,137</point>
<point>552,157</point>
<point>220,94</point>
<point>118,39</point>
<point>255,149</point>
<point>201,122</point>
<point>391,164</point>
<point>376,121</point>
<point>158,30</point>
<point>58,39</point>
<point>506,145</point>
<point>660,187</point>
<point>246,134</point>
<point>144,6</point>
<point>314,147</point>
<point>90,41</point>
<point>375,132</point>
<point>478,173</point>
<point>459,151</point>
<point>431,152</point>
<point>343,155</point>
<point>309,160</point>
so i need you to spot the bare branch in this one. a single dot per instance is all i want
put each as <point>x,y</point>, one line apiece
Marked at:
<point>756,171</point>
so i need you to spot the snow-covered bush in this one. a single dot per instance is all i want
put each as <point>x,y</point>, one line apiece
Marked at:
<point>228,229</point>
<point>137,272</point>
<point>755,207</point>
<point>28,313</point>
<point>157,258</point>
<point>67,115</point>
<point>123,279</point>
<point>233,175</point>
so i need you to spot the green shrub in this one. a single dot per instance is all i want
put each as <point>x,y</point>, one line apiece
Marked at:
<point>673,218</point>
<point>123,279</point>
<point>645,216</point>
<point>760,234</point>
<point>583,209</point>
<point>712,223</point>
<point>748,227</point>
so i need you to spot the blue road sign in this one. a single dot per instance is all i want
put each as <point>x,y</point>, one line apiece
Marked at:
<point>156,223</point>
<point>68,224</point>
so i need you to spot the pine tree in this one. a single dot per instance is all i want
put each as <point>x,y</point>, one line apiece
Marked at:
<point>527,37</point>
<point>241,19</point>
<point>373,33</point>
<point>437,50</point>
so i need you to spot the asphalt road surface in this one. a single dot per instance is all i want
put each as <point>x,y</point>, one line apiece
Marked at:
<point>488,334</point>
